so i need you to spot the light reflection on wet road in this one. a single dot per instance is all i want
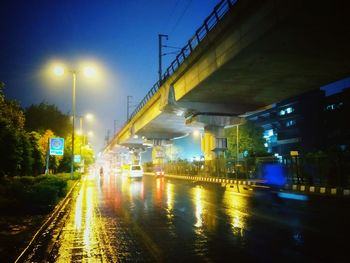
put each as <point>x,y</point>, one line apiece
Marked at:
<point>116,219</point>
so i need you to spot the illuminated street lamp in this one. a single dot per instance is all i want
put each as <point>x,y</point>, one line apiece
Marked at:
<point>89,72</point>
<point>88,117</point>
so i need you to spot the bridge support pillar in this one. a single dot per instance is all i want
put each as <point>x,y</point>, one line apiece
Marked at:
<point>158,155</point>
<point>214,141</point>
<point>135,155</point>
<point>158,151</point>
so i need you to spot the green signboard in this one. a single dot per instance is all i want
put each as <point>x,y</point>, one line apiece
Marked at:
<point>56,146</point>
<point>77,158</point>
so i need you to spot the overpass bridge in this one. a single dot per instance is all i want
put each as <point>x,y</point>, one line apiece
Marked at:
<point>246,55</point>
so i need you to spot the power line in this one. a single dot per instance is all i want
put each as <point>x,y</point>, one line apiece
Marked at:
<point>180,17</point>
<point>170,17</point>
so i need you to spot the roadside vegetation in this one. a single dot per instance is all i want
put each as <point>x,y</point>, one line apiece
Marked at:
<point>24,136</point>
<point>33,194</point>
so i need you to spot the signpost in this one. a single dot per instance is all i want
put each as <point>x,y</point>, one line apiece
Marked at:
<point>55,147</point>
<point>77,158</point>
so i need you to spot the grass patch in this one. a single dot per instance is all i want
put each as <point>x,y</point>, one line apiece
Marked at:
<point>33,195</point>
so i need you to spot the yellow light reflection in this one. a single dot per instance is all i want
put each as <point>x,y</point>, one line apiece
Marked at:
<point>82,231</point>
<point>78,208</point>
<point>88,218</point>
<point>199,207</point>
<point>236,208</point>
<point>170,198</point>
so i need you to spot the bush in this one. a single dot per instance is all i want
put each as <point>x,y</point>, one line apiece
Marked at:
<point>30,194</point>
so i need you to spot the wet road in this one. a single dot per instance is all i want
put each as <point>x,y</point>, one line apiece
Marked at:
<point>115,219</point>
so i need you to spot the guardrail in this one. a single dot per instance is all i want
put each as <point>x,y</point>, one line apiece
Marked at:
<point>209,23</point>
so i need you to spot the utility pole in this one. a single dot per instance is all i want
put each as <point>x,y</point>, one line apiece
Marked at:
<point>107,137</point>
<point>160,54</point>
<point>115,126</point>
<point>128,100</point>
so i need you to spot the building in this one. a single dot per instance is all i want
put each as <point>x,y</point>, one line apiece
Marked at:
<point>294,124</point>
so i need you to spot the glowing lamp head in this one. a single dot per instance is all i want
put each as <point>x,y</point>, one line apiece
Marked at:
<point>196,133</point>
<point>58,71</point>
<point>89,72</point>
<point>89,116</point>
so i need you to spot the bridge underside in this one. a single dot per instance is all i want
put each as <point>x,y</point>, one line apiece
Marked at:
<point>166,126</point>
<point>301,53</point>
<point>261,53</point>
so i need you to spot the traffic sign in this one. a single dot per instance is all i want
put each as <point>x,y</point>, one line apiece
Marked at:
<point>77,158</point>
<point>56,146</point>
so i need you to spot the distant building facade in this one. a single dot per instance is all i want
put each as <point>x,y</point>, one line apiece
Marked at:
<point>337,121</point>
<point>306,123</point>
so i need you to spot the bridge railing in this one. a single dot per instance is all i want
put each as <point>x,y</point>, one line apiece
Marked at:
<point>210,22</point>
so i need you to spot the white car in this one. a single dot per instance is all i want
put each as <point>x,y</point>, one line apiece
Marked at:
<point>135,171</point>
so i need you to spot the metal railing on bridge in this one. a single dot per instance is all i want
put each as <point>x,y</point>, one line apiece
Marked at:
<point>210,22</point>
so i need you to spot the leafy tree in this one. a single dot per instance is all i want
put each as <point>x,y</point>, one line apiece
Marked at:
<point>10,111</point>
<point>37,153</point>
<point>15,150</point>
<point>10,152</point>
<point>26,165</point>
<point>44,117</point>
<point>251,141</point>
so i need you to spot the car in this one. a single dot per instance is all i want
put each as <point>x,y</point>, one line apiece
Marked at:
<point>135,171</point>
<point>159,172</point>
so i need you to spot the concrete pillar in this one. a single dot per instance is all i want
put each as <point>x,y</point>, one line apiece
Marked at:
<point>158,155</point>
<point>214,143</point>
<point>135,155</point>
<point>158,151</point>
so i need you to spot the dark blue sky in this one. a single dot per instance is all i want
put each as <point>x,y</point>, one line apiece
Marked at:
<point>121,35</point>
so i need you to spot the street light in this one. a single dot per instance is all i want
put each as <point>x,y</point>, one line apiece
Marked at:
<point>88,117</point>
<point>89,72</point>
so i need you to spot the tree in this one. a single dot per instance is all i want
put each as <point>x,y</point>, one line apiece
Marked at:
<point>10,152</point>
<point>251,141</point>
<point>44,117</point>
<point>15,150</point>
<point>26,164</point>
<point>37,153</point>
<point>10,111</point>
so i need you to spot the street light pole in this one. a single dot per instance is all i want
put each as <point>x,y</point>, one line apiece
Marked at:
<point>73,126</point>
<point>59,71</point>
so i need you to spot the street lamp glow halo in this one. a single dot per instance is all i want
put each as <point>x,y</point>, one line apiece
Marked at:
<point>89,71</point>
<point>58,71</point>
<point>89,116</point>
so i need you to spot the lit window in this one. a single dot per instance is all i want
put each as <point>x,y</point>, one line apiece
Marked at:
<point>286,111</point>
<point>290,123</point>
<point>289,110</point>
<point>334,106</point>
<point>268,133</point>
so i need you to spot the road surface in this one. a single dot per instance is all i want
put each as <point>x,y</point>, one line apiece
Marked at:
<point>115,219</point>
